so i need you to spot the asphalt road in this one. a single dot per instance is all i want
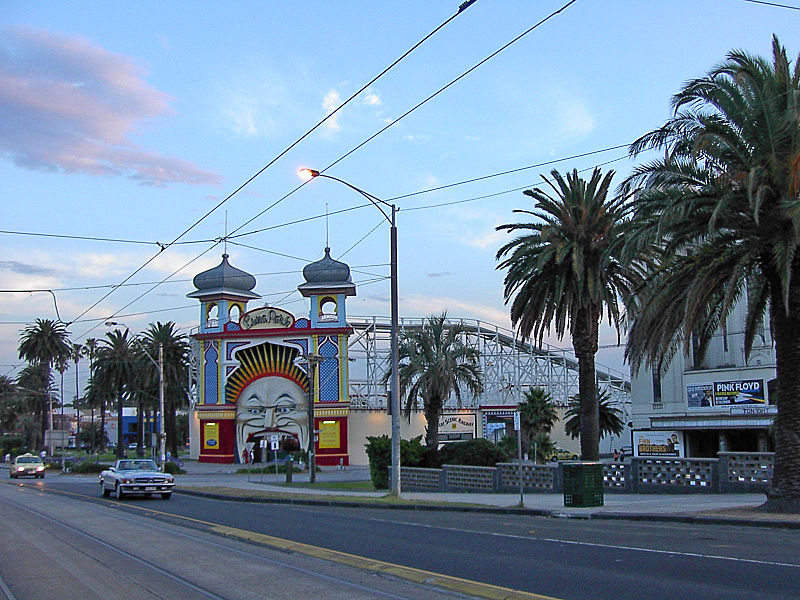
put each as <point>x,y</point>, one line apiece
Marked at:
<point>561,558</point>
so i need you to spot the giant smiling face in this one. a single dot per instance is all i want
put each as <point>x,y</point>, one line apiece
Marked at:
<point>272,403</point>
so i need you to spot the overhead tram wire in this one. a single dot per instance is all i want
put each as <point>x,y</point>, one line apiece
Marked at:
<point>408,112</point>
<point>461,9</point>
<point>383,129</point>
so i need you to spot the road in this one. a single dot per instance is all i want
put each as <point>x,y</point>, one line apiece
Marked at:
<point>558,558</point>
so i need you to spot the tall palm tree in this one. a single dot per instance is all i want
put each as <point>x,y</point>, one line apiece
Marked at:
<point>44,343</point>
<point>77,352</point>
<point>435,363</point>
<point>114,370</point>
<point>724,202</point>
<point>176,374</point>
<point>611,422</point>
<point>90,350</point>
<point>537,417</point>
<point>567,270</point>
<point>10,403</point>
<point>35,387</point>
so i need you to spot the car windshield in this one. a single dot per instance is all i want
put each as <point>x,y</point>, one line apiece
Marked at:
<point>137,465</point>
<point>28,459</point>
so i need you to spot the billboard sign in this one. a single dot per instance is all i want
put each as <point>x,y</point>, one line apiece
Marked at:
<point>658,443</point>
<point>740,392</point>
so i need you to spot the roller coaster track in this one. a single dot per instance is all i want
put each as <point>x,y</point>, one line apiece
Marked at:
<point>509,364</point>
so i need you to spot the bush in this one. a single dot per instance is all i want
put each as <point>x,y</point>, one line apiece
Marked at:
<point>477,453</point>
<point>12,444</point>
<point>412,454</point>
<point>173,468</point>
<point>267,469</point>
<point>88,466</point>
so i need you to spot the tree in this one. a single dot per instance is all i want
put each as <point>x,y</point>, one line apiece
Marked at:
<point>44,343</point>
<point>114,370</point>
<point>90,350</point>
<point>567,270</point>
<point>724,204</point>
<point>176,374</point>
<point>35,387</point>
<point>537,415</point>
<point>77,352</point>
<point>610,420</point>
<point>435,363</point>
<point>10,403</point>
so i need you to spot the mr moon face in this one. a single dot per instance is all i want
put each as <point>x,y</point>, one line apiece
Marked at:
<point>272,403</point>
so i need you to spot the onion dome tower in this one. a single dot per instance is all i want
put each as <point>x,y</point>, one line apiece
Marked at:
<point>223,293</point>
<point>328,283</point>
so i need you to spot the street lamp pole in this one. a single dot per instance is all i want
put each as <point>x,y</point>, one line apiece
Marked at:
<point>161,389</point>
<point>394,401</point>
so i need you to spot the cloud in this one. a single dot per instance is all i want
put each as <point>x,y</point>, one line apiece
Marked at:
<point>372,99</point>
<point>69,105</point>
<point>417,137</point>
<point>574,118</point>
<point>329,103</point>
<point>26,269</point>
<point>426,305</point>
<point>491,239</point>
<point>440,274</point>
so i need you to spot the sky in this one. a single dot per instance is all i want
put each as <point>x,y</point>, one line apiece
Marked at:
<point>148,123</point>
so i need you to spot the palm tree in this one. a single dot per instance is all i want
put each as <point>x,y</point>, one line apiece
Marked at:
<point>724,204</point>
<point>435,363</point>
<point>10,407</point>
<point>89,350</point>
<point>537,417</point>
<point>611,422</point>
<point>77,352</point>
<point>114,370</point>
<point>176,374</point>
<point>567,270</point>
<point>44,343</point>
<point>35,386</point>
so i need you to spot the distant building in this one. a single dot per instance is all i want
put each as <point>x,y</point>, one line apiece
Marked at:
<point>703,405</point>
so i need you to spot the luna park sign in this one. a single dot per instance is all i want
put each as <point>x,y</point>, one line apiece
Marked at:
<point>266,318</point>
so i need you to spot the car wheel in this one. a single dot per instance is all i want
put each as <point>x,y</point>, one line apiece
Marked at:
<point>41,476</point>
<point>105,490</point>
<point>10,475</point>
<point>166,495</point>
<point>574,457</point>
<point>120,494</point>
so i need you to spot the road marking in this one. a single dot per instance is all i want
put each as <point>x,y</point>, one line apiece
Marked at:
<point>590,544</point>
<point>418,576</point>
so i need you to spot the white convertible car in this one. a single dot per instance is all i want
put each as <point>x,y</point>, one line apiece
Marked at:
<point>136,476</point>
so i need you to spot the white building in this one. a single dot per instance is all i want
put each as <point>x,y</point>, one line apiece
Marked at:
<point>701,406</point>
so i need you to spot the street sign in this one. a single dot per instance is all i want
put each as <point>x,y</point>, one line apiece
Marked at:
<point>274,445</point>
<point>56,438</point>
<point>516,421</point>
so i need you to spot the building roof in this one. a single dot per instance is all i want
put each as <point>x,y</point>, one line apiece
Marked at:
<point>224,279</point>
<point>327,274</point>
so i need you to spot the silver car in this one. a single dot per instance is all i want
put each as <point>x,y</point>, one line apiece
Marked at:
<point>136,476</point>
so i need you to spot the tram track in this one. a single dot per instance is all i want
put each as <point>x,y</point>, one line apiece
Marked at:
<point>364,577</point>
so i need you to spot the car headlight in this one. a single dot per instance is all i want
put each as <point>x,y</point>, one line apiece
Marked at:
<point>170,479</point>
<point>20,469</point>
<point>40,468</point>
<point>124,480</point>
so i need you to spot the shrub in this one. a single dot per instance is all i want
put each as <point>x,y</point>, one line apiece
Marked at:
<point>173,468</point>
<point>477,453</point>
<point>379,450</point>
<point>12,444</point>
<point>88,466</point>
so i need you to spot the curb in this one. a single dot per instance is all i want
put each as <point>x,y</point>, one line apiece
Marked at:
<point>534,512</point>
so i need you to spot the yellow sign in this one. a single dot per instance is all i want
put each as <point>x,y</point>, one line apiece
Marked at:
<point>211,436</point>
<point>266,318</point>
<point>329,434</point>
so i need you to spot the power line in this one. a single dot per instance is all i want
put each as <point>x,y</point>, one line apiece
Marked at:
<point>773,4</point>
<point>461,9</point>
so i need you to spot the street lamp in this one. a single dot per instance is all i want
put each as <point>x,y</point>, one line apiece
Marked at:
<point>160,365</point>
<point>394,401</point>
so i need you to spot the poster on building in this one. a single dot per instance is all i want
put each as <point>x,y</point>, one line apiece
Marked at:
<point>740,392</point>
<point>658,443</point>
<point>737,393</point>
<point>700,395</point>
<point>211,436</point>
<point>456,427</point>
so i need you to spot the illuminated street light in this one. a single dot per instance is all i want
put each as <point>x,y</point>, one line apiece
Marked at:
<point>394,401</point>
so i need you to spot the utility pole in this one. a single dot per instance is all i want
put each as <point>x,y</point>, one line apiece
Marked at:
<point>161,435</point>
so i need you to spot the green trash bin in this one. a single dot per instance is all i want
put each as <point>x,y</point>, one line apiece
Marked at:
<point>583,484</point>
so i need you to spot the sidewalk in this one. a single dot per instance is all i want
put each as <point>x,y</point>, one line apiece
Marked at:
<point>738,509</point>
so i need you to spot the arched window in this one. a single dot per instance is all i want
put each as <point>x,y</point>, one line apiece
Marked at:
<point>328,309</point>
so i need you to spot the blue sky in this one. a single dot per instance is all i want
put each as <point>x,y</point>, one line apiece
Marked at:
<point>132,120</point>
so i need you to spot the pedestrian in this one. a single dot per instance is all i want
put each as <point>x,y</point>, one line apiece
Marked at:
<point>8,457</point>
<point>244,456</point>
<point>43,454</point>
<point>616,455</point>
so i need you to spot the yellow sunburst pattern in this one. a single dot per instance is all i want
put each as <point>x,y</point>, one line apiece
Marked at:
<point>264,360</point>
